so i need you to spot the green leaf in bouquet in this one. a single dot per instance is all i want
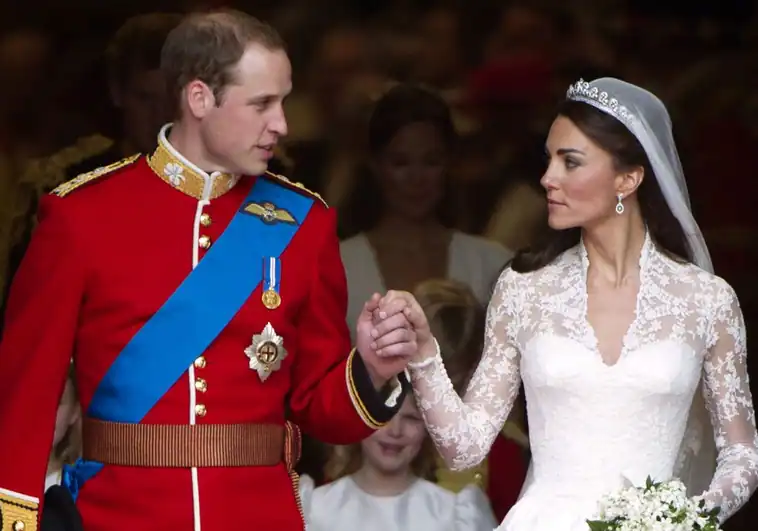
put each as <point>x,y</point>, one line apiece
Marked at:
<point>712,525</point>
<point>598,525</point>
<point>711,516</point>
<point>678,516</point>
<point>650,484</point>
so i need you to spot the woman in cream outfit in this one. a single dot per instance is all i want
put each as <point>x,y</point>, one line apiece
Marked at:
<point>400,212</point>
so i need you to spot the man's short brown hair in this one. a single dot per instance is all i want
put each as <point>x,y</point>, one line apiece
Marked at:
<point>136,46</point>
<point>207,46</point>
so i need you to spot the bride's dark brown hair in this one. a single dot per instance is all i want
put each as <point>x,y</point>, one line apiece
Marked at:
<point>614,138</point>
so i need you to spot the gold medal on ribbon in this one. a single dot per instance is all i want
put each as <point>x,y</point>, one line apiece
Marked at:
<point>271,299</point>
<point>266,352</point>
<point>272,269</point>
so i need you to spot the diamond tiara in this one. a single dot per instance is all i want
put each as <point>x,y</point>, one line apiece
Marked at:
<point>584,92</point>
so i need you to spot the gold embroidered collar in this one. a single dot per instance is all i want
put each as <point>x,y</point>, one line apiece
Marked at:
<point>183,175</point>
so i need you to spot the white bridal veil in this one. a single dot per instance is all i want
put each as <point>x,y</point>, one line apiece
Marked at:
<point>648,120</point>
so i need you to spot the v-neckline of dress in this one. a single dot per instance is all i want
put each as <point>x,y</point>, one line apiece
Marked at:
<point>590,330</point>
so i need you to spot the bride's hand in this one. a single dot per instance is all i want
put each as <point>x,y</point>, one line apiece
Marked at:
<point>401,301</point>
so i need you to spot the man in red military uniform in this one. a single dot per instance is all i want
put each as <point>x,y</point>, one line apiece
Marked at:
<point>203,308</point>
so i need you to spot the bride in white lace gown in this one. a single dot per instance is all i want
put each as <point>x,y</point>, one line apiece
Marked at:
<point>617,329</point>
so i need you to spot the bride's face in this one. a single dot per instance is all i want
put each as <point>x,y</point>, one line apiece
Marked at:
<point>392,449</point>
<point>580,180</point>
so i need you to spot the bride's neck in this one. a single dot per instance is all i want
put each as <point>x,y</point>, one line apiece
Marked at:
<point>377,483</point>
<point>614,247</point>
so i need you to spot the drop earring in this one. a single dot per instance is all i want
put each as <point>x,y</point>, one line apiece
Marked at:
<point>619,205</point>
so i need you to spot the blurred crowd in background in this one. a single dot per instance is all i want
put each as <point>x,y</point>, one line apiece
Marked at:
<point>81,88</point>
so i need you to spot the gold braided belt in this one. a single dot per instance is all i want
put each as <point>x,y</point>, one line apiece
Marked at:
<point>190,446</point>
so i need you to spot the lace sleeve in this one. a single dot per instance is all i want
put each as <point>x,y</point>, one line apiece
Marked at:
<point>729,401</point>
<point>464,429</point>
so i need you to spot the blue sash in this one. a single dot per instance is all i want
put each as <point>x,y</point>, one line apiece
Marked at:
<point>196,313</point>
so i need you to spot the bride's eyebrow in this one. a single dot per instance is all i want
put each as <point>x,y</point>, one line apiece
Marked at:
<point>569,151</point>
<point>565,151</point>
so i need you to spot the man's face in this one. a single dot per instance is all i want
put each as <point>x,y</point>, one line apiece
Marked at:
<point>240,131</point>
<point>145,106</point>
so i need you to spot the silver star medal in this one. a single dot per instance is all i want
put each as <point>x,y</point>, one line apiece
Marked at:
<point>266,352</point>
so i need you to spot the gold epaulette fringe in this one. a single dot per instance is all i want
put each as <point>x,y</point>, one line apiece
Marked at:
<point>299,186</point>
<point>84,178</point>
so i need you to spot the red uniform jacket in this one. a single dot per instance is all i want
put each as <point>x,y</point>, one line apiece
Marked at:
<point>109,250</point>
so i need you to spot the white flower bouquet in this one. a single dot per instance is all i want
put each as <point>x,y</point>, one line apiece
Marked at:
<point>662,506</point>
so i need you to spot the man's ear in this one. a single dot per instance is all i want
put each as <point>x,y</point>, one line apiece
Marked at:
<point>199,98</point>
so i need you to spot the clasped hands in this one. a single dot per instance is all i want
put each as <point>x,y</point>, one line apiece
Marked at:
<point>392,331</point>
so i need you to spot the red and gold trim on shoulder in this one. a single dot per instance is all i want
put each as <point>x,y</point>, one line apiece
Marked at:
<point>85,178</point>
<point>296,186</point>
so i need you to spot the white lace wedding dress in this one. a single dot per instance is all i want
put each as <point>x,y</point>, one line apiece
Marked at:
<point>593,427</point>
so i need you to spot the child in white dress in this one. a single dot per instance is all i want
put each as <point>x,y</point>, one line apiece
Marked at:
<point>380,487</point>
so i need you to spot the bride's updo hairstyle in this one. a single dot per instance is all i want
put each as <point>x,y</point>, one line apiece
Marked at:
<point>614,138</point>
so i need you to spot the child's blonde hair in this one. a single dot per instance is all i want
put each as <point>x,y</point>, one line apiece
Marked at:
<point>456,319</point>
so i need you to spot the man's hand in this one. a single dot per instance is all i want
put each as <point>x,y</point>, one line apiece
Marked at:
<point>385,339</point>
<point>402,301</point>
